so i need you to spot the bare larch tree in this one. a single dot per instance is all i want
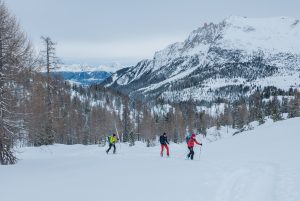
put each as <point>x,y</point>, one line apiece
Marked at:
<point>15,52</point>
<point>50,61</point>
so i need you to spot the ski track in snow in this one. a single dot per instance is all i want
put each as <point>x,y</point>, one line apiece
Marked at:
<point>259,165</point>
<point>256,182</point>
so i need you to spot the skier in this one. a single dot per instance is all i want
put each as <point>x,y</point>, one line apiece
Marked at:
<point>191,144</point>
<point>112,143</point>
<point>164,144</point>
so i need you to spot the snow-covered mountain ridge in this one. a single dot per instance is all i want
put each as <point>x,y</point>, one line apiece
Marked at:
<point>218,59</point>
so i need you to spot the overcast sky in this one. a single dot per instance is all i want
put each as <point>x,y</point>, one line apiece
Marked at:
<point>106,31</point>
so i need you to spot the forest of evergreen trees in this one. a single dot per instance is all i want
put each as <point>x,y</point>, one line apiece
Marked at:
<point>39,109</point>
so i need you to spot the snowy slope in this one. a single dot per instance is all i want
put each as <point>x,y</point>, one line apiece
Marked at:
<point>259,165</point>
<point>239,50</point>
<point>276,34</point>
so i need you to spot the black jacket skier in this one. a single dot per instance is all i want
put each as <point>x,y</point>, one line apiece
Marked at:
<point>163,139</point>
<point>164,144</point>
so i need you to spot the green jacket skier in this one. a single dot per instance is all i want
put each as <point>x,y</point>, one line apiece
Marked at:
<point>112,143</point>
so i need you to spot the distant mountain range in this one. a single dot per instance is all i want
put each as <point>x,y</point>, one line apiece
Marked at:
<point>84,74</point>
<point>225,60</point>
<point>84,77</point>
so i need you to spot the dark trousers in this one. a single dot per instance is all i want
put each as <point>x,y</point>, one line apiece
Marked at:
<point>191,154</point>
<point>110,146</point>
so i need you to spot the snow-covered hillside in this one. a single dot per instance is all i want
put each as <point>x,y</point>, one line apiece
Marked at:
<point>215,57</point>
<point>258,165</point>
<point>276,35</point>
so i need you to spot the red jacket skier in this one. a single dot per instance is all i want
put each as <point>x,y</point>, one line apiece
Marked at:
<point>191,144</point>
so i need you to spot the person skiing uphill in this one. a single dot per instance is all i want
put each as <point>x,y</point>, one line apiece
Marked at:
<point>163,139</point>
<point>112,143</point>
<point>191,144</point>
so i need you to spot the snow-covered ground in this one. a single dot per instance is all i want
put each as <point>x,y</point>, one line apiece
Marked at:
<point>258,165</point>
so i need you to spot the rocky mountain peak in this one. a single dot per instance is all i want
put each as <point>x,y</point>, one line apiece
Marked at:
<point>238,51</point>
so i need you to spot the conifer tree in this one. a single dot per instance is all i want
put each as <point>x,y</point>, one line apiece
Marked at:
<point>294,106</point>
<point>126,120</point>
<point>275,109</point>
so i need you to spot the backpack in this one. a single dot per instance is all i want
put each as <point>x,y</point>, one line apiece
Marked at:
<point>187,138</point>
<point>108,139</point>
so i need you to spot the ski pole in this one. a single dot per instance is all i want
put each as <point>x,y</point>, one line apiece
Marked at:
<point>118,135</point>
<point>186,153</point>
<point>200,152</point>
